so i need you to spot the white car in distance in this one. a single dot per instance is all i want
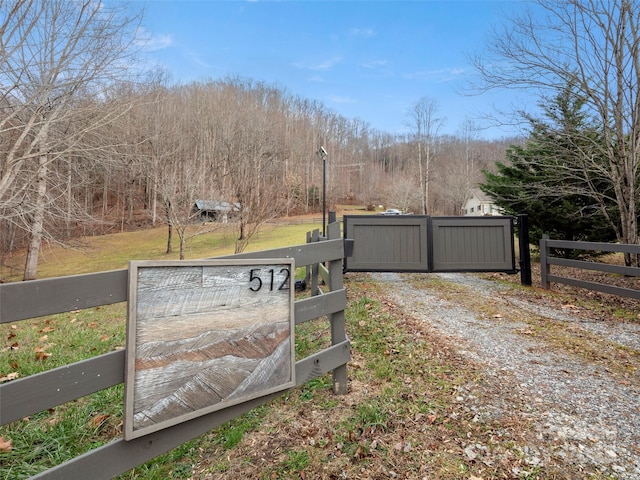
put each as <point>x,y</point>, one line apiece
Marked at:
<point>391,211</point>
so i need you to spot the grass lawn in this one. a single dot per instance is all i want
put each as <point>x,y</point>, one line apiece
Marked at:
<point>113,251</point>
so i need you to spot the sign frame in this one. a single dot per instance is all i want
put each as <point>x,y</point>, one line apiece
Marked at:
<point>204,335</point>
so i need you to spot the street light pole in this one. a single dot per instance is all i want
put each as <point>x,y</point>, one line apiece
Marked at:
<point>322,153</point>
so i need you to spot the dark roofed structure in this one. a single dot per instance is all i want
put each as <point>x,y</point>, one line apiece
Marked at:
<point>214,210</point>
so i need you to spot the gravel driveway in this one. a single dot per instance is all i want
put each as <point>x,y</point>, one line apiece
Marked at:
<point>581,412</point>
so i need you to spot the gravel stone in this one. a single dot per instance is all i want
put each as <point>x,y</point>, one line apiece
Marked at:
<point>581,413</point>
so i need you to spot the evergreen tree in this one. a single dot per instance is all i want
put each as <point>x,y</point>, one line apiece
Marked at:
<point>544,178</point>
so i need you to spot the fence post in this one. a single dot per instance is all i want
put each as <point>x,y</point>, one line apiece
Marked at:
<point>544,265</point>
<point>525,254</point>
<point>337,320</point>
<point>315,237</point>
<point>307,269</point>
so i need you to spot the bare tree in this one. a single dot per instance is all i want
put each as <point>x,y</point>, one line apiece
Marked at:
<point>252,163</point>
<point>460,170</point>
<point>402,192</point>
<point>182,156</point>
<point>55,54</point>
<point>594,46</point>
<point>425,122</point>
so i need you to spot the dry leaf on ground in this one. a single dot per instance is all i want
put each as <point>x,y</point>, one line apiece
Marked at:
<point>5,445</point>
<point>10,376</point>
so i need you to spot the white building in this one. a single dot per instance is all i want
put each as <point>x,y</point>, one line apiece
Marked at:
<point>479,203</point>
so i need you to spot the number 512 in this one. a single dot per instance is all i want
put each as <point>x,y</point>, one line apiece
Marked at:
<point>256,282</point>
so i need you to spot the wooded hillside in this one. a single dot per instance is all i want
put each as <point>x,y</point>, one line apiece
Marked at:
<point>87,147</point>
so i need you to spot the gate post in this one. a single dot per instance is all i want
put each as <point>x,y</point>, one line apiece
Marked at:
<point>337,320</point>
<point>544,262</point>
<point>525,254</point>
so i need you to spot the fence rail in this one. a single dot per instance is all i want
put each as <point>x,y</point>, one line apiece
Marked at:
<point>546,260</point>
<point>33,394</point>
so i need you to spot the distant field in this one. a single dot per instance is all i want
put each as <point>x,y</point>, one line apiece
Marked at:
<point>113,251</point>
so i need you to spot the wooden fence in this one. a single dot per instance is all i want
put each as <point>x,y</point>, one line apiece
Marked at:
<point>546,260</point>
<point>27,396</point>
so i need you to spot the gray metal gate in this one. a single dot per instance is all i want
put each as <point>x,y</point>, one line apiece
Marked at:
<point>421,243</point>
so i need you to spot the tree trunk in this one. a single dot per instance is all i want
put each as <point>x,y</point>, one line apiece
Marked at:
<point>154,201</point>
<point>423,201</point>
<point>169,229</point>
<point>37,225</point>
<point>241,242</point>
<point>183,242</point>
<point>69,216</point>
<point>427,174</point>
<point>169,238</point>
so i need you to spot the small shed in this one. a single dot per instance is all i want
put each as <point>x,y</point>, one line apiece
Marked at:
<point>214,210</point>
<point>480,204</point>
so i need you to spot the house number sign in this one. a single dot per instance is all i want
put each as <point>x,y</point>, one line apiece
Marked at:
<point>205,335</point>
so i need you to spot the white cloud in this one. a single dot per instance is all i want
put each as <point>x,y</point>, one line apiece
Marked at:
<point>362,32</point>
<point>375,64</point>
<point>320,66</point>
<point>152,43</point>
<point>440,75</point>
<point>198,60</point>
<point>341,99</point>
<point>158,42</point>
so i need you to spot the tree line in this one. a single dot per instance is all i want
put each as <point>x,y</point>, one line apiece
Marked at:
<point>90,144</point>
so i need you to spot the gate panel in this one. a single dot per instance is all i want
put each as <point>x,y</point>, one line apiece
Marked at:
<point>468,244</point>
<point>387,244</point>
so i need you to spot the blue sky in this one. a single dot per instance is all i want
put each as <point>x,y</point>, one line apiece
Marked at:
<point>369,60</point>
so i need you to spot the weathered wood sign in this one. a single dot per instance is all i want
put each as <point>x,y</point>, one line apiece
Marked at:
<point>204,335</point>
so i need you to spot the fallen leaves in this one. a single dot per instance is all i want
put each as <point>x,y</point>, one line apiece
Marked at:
<point>525,331</point>
<point>403,446</point>
<point>569,307</point>
<point>41,353</point>
<point>98,420</point>
<point>10,376</point>
<point>5,445</point>
<point>360,453</point>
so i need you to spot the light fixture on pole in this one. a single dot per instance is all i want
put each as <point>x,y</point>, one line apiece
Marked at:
<point>322,153</point>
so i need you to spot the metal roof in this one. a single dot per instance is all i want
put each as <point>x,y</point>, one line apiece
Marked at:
<point>217,206</point>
